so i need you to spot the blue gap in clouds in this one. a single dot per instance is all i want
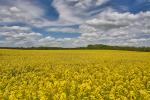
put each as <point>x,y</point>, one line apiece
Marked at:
<point>50,12</point>
<point>13,24</point>
<point>75,26</point>
<point>132,6</point>
<point>41,31</point>
<point>118,5</point>
<point>64,34</point>
<point>144,6</point>
<point>2,38</point>
<point>57,34</point>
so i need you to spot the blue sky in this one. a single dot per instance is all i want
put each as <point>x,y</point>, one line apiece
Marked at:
<point>74,23</point>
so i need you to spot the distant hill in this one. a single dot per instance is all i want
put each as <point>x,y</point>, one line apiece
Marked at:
<point>89,47</point>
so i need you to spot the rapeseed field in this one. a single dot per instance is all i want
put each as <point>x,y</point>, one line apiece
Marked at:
<point>74,75</point>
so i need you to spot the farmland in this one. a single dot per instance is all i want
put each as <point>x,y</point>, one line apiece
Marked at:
<point>74,75</point>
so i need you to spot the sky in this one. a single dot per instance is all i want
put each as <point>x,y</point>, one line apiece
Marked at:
<point>74,23</point>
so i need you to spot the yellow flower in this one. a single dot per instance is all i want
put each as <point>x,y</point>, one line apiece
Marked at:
<point>63,96</point>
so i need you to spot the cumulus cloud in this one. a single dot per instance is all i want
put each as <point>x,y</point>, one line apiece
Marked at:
<point>106,26</point>
<point>63,29</point>
<point>14,28</point>
<point>18,36</point>
<point>20,11</point>
<point>73,11</point>
<point>118,28</point>
<point>14,9</point>
<point>20,40</point>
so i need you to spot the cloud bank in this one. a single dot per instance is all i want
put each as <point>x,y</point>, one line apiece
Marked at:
<point>25,23</point>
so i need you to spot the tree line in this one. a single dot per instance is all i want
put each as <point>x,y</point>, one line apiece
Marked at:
<point>89,47</point>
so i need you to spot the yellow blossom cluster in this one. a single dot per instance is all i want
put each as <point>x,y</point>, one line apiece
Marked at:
<point>74,75</point>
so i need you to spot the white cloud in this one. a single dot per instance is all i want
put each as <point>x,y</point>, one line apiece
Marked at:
<point>20,10</point>
<point>18,36</point>
<point>118,28</point>
<point>66,13</point>
<point>47,41</point>
<point>100,2</point>
<point>75,11</point>
<point>21,39</point>
<point>14,28</point>
<point>64,29</point>
<point>14,9</point>
<point>108,27</point>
